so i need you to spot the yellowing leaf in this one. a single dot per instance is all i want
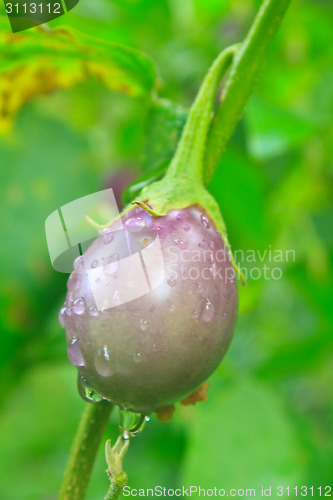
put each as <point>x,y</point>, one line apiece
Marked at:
<point>40,61</point>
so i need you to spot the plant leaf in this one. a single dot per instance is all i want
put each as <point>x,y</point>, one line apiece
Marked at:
<point>242,437</point>
<point>166,120</point>
<point>165,123</point>
<point>39,61</point>
<point>274,131</point>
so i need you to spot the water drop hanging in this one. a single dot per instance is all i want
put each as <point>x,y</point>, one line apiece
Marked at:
<point>86,392</point>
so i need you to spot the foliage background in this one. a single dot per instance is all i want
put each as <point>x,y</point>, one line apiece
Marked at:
<point>268,420</point>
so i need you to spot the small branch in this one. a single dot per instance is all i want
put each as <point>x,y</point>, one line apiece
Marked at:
<point>93,422</point>
<point>243,76</point>
<point>114,458</point>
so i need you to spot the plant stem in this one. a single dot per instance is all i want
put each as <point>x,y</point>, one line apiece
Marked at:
<point>242,78</point>
<point>182,185</point>
<point>189,155</point>
<point>82,456</point>
<point>114,492</point>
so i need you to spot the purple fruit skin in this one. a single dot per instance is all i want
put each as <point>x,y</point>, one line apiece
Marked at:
<point>158,348</point>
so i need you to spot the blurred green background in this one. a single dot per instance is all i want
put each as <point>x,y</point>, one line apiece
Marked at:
<point>268,419</point>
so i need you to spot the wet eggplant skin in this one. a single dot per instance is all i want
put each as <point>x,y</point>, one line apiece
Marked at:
<point>156,349</point>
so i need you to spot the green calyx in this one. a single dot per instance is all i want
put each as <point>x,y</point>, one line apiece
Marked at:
<point>183,184</point>
<point>176,193</point>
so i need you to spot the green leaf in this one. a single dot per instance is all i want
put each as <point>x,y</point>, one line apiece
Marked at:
<point>165,123</point>
<point>51,405</point>
<point>241,437</point>
<point>239,186</point>
<point>39,61</point>
<point>135,187</point>
<point>273,131</point>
